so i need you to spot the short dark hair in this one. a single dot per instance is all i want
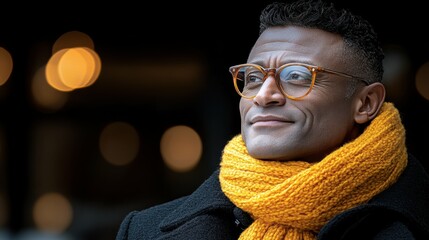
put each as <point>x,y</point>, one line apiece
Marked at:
<point>363,49</point>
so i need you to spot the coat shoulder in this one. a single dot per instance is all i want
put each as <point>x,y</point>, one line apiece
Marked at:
<point>144,224</point>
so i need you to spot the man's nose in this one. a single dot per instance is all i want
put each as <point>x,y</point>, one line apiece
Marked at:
<point>270,93</point>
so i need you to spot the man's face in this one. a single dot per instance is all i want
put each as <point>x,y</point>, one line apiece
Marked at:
<point>277,128</point>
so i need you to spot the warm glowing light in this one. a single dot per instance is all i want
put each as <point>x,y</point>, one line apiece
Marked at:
<point>44,95</point>
<point>119,143</point>
<point>72,39</point>
<point>52,212</point>
<point>181,148</point>
<point>52,72</point>
<point>6,65</point>
<point>95,62</point>
<point>73,68</point>
<point>422,80</point>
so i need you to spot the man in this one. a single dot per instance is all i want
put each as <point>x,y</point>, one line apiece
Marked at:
<point>321,155</point>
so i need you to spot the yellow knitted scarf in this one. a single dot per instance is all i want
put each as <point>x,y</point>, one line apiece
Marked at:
<point>293,200</point>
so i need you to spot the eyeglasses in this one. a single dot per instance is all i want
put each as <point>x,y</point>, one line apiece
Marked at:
<point>295,80</point>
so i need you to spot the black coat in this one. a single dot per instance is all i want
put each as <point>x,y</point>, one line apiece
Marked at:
<point>400,212</point>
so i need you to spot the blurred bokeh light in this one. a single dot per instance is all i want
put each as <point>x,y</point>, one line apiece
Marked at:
<point>6,65</point>
<point>119,143</point>
<point>52,212</point>
<point>181,148</point>
<point>422,80</point>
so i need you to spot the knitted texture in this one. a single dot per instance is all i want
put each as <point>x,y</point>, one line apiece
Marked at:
<point>294,199</point>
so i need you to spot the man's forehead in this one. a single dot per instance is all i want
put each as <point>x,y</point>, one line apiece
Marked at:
<point>297,42</point>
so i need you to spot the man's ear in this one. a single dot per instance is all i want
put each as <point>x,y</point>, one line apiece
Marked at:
<point>368,102</point>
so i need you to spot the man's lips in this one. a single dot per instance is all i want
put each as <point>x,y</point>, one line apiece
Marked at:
<point>268,120</point>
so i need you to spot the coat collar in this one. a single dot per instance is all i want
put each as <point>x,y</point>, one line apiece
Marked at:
<point>408,198</point>
<point>207,197</point>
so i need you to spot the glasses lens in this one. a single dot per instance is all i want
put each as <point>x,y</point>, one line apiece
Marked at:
<point>249,80</point>
<point>296,80</point>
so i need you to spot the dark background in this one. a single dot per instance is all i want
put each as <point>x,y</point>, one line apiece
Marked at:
<point>216,35</point>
